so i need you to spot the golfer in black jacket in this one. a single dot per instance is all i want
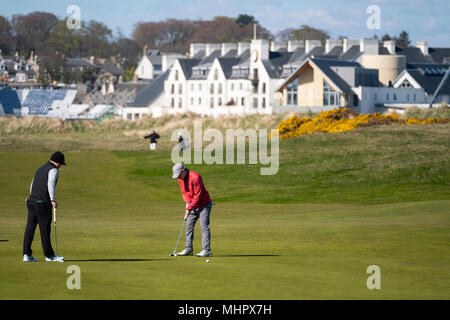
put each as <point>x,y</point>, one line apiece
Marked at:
<point>153,139</point>
<point>40,203</point>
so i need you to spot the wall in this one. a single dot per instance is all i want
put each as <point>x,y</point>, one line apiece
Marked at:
<point>388,66</point>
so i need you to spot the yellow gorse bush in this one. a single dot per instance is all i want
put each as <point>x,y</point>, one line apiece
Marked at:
<point>340,120</point>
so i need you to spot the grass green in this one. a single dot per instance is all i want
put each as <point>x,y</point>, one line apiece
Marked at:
<point>339,203</point>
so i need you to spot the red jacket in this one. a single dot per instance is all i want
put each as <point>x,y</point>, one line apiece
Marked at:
<point>193,191</point>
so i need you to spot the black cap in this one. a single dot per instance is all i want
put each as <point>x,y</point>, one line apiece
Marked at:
<point>58,157</point>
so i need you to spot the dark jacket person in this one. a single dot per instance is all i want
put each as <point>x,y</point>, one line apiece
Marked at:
<point>40,203</point>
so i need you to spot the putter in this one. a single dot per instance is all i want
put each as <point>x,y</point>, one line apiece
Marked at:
<point>173,254</point>
<point>56,238</point>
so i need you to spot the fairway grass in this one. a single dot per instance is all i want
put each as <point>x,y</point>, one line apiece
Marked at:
<point>339,204</point>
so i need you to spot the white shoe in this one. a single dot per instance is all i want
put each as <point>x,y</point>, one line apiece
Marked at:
<point>55,258</point>
<point>185,252</point>
<point>204,253</point>
<point>29,258</point>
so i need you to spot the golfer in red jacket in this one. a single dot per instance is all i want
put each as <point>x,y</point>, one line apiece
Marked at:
<point>198,205</point>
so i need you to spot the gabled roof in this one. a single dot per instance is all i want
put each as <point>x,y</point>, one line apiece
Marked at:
<point>413,55</point>
<point>439,54</point>
<point>297,55</point>
<point>352,54</point>
<point>335,52</point>
<point>151,92</point>
<point>231,54</point>
<point>156,60</point>
<point>199,55</point>
<point>227,65</point>
<point>429,76</point>
<point>186,66</point>
<point>274,65</point>
<point>324,65</point>
<point>210,59</point>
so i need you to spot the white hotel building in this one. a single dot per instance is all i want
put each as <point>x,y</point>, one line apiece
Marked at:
<point>254,77</point>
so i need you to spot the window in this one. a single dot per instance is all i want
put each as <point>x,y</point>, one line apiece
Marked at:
<point>219,102</point>
<point>414,97</point>
<point>330,96</point>
<point>172,103</point>
<point>395,97</point>
<point>375,97</point>
<point>192,87</point>
<point>192,101</point>
<point>232,86</point>
<point>406,84</point>
<point>255,102</point>
<point>129,116</point>
<point>264,88</point>
<point>172,89</point>
<point>242,101</point>
<point>199,87</point>
<point>211,103</point>
<point>264,102</point>
<point>136,115</point>
<point>240,86</point>
<point>180,89</point>
<point>355,100</point>
<point>216,74</point>
<point>180,103</point>
<point>199,100</point>
<point>407,97</point>
<point>292,88</point>
<point>176,75</point>
<point>220,88</point>
<point>255,74</point>
<point>211,88</point>
<point>387,96</point>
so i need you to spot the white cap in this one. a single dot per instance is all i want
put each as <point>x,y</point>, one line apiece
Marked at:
<point>177,168</point>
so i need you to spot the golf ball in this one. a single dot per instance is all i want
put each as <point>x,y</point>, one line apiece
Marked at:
<point>207,260</point>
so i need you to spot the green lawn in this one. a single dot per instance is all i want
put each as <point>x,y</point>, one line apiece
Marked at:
<point>339,203</point>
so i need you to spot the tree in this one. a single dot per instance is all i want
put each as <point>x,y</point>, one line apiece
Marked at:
<point>245,19</point>
<point>403,40</point>
<point>96,40</point>
<point>31,31</point>
<point>6,37</point>
<point>306,32</point>
<point>285,34</point>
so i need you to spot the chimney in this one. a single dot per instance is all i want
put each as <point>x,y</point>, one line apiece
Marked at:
<point>226,47</point>
<point>195,48</point>
<point>242,46</point>
<point>311,44</point>
<point>347,44</point>
<point>211,47</point>
<point>294,44</point>
<point>369,46</point>
<point>423,46</point>
<point>331,43</point>
<point>277,45</point>
<point>262,46</point>
<point>144,51</point>
<point>390,46</point>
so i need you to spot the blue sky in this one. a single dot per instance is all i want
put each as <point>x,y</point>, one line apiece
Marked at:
<point>423,19</point>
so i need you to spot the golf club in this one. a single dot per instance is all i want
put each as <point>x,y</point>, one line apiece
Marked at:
<point>173,254</point>
<point>56,238</point>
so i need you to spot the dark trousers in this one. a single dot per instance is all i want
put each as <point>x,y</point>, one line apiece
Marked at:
<point>38,213</point>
